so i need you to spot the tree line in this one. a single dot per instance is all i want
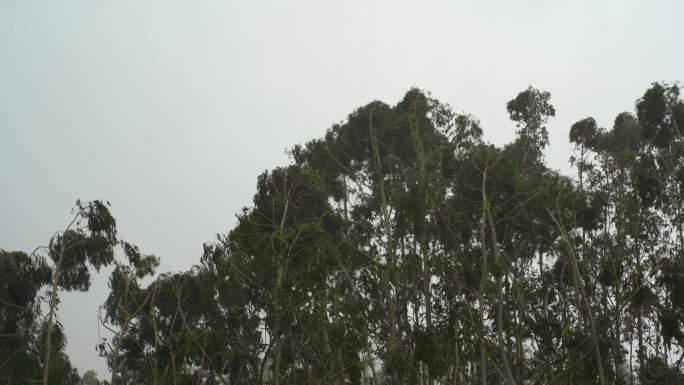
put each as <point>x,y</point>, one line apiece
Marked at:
<point>400,248</point>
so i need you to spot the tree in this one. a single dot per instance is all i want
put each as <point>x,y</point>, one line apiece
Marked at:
<point>88,240</point>
<point>530,110</point>
<point>401,248</point>
<point>33,346</point>
<point>22,278</point>
<point>89,378</point>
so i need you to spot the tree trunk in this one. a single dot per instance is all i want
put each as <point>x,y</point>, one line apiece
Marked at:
<point>54,299</point>
<point>499,312</point>
<point>387,275</point>
<point>483,280</point>
<point>582,295</point>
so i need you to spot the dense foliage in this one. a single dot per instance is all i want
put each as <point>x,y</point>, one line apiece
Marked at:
<point>402,249</point>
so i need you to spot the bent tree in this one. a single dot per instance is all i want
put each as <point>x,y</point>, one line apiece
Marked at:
<point>88,240</point>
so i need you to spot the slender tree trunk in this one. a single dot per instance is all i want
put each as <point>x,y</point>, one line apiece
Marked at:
<point>631,355</point>
<point>457,353</point>
<point>115,354</point>
<point>582,295</point>
<point>641,353</point>
<point>276,374</point>
<point>54,299</point>
<point>422,185</point>
<point>387,275</point>
<point>499,313</point>
<point>155,327</point>
<point>519,335</point>
<point>483,280</point>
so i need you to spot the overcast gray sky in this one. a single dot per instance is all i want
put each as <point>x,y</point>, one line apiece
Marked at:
<point>170,109</point>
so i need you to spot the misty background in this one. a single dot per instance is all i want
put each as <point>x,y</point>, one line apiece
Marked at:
<point>171,109</point>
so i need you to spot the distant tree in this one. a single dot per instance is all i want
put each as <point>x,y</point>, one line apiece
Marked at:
<point>89,378</point>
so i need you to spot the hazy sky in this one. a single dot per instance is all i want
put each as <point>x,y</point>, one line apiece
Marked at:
<point>170,109</point>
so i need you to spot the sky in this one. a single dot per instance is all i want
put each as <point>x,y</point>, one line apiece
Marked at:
<point>171,109</point>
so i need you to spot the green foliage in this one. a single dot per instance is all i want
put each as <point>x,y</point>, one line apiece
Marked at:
<point>401,248</point>
<point>530,110</point>
<point>89,378</point>
<point>657,372</point>
<point>21,278</point>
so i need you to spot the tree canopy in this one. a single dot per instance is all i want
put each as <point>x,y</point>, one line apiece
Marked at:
<point>401,248</point>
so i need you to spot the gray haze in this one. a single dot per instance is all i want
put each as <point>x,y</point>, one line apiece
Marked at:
<point>171,109</point>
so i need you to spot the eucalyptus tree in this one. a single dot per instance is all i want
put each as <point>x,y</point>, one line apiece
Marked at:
<point>22,277</point>
<point>531,109</point>
<point>631,170</point>
<point>89,378</point>
<point>31,346</point>
<point>273,279</point>
<point>394,164</point>
<point>658,181</point>
<point>87,241</point>
<point>126,300</point>
<point>401,248</point>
